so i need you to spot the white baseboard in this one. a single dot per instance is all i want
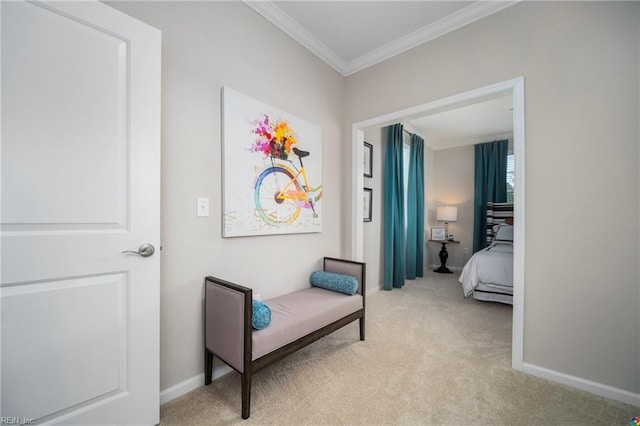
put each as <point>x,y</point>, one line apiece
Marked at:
<point>583,384</point>
<point>188,385</point>
<point>595,388</point>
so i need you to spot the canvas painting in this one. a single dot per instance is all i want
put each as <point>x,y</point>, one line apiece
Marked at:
<point>272,170</point>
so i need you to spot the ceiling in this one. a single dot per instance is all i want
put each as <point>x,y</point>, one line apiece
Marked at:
<point>352,35</point>
<point>480,122</point>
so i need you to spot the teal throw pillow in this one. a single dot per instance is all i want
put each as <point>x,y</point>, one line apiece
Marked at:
<point>335,282</point>
<point>261,315</point>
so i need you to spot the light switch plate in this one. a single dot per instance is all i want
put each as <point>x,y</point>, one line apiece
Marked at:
<point>203,207</point>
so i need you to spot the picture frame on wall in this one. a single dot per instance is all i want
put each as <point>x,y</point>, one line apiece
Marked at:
<point>366,204</point>
<point>267,189</point>
<point>368,160</point>
<point>438,234</point>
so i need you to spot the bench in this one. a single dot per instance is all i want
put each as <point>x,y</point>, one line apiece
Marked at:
<point>297,319</point>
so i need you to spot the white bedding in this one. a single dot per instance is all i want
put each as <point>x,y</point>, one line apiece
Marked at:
<point>492,265</point>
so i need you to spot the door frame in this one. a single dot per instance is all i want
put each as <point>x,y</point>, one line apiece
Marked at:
<point>515,87</point>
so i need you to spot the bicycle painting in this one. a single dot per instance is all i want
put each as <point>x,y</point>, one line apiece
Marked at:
<point>272,184</point>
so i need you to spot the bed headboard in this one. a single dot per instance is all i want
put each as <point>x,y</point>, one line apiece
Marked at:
<point>498,213</point>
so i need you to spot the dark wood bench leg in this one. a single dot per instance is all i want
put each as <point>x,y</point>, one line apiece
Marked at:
<point>208,366</point>
<point>246,394</point>
<point>362,328</point>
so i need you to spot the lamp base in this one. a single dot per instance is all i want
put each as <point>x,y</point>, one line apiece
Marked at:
<point>443,270</point>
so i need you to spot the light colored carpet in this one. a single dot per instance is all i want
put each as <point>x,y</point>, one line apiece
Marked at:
<point>430,357</point>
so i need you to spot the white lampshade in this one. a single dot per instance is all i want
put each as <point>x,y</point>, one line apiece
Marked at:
<point>447,214</point>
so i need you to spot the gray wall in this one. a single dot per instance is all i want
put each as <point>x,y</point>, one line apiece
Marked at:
<point>207,45</point>
<point>373,236</point>
<point>580,63</point>
<point>452,176</point>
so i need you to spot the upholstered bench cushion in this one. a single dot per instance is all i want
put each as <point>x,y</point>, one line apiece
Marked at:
<point>297,314</point>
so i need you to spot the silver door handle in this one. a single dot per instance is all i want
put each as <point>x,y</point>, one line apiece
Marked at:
<point>144,250</point>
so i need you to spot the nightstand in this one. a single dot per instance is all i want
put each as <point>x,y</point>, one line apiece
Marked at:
<point>443,256</point>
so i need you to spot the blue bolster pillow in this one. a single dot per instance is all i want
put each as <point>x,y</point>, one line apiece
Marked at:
<point>335,282</point>
<point>261,315</point>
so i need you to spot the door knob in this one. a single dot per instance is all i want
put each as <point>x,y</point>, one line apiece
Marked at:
<point>144,250</point>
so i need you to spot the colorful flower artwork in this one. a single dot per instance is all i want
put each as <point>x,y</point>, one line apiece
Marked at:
<point>272,170</point>
<point>274,137</point>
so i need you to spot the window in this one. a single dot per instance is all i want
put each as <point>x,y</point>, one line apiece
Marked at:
<point>406,152</point>
<point>511,178</point>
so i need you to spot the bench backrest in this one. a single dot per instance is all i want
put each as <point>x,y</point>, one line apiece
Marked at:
<point>347,267</point>
<point>228,321</point>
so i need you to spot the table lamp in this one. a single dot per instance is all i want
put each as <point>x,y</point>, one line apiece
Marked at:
<point>447,214</point>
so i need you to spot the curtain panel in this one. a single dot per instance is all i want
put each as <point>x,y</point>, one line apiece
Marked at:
<point>490,185</point>
<point>394,243</point>
<point>415,209</point>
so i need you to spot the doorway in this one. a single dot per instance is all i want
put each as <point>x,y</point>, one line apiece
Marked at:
<point>515,87</point>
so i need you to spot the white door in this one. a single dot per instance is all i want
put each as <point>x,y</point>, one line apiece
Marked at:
<point>80,185</point>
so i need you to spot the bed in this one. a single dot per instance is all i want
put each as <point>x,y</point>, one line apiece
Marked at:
<point>488,275</point>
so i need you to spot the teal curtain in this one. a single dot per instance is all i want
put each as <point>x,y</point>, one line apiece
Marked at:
<point>415,209</point>
<point>394,244</point>
<point>490,185</point>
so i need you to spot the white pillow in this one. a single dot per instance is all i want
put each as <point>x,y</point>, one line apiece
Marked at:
<point>503,232</point>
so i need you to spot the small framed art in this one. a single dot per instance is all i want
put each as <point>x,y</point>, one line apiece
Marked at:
<point>368,160</point>
<point>366,204</point>
<point>438,234</point>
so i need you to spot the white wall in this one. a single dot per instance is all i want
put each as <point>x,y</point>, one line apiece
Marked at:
<point>373,231</point>
<point>207,45</point>
<point>453,185</point>
<point>581,66</point>
<point>430,205</point>
<point>580,62</point>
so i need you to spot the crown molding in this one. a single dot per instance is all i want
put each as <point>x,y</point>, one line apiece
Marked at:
<point>469,14</point>
<point>459,19</point>
<point>296,31</point>
<point>439,144</point>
